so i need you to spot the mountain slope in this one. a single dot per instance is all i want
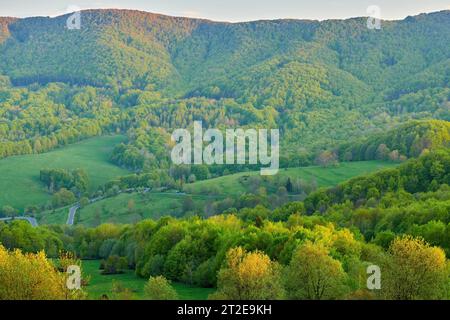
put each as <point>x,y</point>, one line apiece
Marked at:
<point>320,83</point>
<point>132,48</point>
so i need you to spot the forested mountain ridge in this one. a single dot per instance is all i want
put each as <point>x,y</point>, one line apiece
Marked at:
<point>337,91</point>
<point>326,82</point>
<point>132,48</point>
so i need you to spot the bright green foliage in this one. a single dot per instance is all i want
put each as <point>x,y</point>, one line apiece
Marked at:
<point>426,173</point>
<point>321,83</point>
<point>248,276</point>
<point>314,275</point>
<point>409,140</point>
<point>158,288</point>
<point>416,271</point>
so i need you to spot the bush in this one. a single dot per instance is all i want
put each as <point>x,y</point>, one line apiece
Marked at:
<point>159,288</point>
<point>114,265</point>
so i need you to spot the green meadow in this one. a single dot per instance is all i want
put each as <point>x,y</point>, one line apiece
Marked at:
<point>20,185</point>
<point>102,284</point>
<point>132,207</point>
<point>232,185</point>
<point>125,208</point>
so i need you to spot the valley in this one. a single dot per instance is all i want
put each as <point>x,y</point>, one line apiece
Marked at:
<point>130,207</point>
<point>89,180</point>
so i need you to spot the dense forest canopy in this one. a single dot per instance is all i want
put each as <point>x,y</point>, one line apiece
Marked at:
<point>137,49</point>
<point>393,219</point>
<point>326,82</point>
<point>337,91</point>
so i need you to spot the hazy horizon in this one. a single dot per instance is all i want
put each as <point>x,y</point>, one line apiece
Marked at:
<point>233,10</point>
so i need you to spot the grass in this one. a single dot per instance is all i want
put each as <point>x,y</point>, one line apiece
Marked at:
<point>129,208</point>
<point>102,284</point>
<point>132,207</point>
<point>57,216</point>
<point>325,177</point>
<point>20,185</point>
<point>117,209</point>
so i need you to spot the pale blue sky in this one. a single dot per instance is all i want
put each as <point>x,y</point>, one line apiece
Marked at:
<point>233,10</point>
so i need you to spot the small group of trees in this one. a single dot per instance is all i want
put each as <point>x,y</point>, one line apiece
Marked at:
<point>114,265</point>
<point>62,198</point>
<point>65,185</point>
<point>8,211</point>
<point>156,288</point>
<point>326,158</point>
<point>55,179</point>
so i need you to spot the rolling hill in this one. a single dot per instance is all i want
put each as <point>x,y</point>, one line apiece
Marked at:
<point>351,104</point>
<point>322,83</point>
<point>133,207</point>
<point>327,82</point>
<point>132,49</point>
<point>20,185</point>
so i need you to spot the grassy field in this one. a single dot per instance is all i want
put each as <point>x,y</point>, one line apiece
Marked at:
<point>129,208</point>
<point>132,207</point>
<point>20,185</point>
<point>124,208</point>
<point>57,216</point>
<point>232,185</point>
<point>101,284</point>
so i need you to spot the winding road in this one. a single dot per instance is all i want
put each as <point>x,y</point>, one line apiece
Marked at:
<point>71,216</point>
<point>31,220</point>
<point>73,209</point>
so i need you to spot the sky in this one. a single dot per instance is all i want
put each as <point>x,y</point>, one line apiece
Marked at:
<point>232,10</point>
